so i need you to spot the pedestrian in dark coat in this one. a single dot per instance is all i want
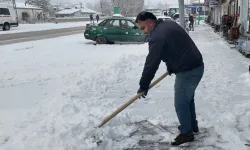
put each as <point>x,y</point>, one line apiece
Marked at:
<point>169,42</point>
<point>91,18</point>
<point>97,18</point>
<point>191,19</point>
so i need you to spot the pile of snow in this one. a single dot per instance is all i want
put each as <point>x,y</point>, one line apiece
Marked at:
<point>76,93</point>
<point>246,77</point>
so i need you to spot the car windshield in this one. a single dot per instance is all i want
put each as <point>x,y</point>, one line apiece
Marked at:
<point>102,23</point>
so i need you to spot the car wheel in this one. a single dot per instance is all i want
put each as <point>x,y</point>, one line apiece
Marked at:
<point>6,27</point>
<point>101,40</point>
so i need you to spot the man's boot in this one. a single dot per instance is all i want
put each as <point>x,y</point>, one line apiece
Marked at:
<point>183,138</point>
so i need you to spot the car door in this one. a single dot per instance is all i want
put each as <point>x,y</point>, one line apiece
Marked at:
<point>130,32</point>
<point>112,30</point>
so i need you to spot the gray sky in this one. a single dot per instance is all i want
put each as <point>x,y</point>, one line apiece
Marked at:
<point>175,2</point>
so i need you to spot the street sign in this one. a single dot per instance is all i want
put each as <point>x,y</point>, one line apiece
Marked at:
<point>190,6</point>
<point>198,9</point>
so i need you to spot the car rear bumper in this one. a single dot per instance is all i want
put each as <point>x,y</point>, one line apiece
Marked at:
<point>89,37</point>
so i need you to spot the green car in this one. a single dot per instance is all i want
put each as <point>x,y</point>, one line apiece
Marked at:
<point>115,29</point>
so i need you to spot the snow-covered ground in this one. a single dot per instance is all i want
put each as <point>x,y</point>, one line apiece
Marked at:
<point>54,97</point>
<point>43,26</point>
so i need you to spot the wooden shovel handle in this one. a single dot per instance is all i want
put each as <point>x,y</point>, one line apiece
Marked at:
<point>131,101</point>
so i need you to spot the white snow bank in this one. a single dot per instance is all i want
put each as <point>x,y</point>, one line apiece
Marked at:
<point>73,85</point>
<point>43,26</point>
<point>246,77</point>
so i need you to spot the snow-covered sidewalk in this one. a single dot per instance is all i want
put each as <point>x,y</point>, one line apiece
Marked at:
<point>53,97</point>
<point>43,26</point>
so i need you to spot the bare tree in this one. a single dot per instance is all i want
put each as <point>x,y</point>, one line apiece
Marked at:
<point>129,7</point>
<point>106,7</point>
<point>163,6</point>
<point>44,4</point>
<point>97,7</point>
<point>137,6</point>
<point>90,5</point>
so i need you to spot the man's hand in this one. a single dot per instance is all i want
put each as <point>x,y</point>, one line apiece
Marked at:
<point>145,91</point>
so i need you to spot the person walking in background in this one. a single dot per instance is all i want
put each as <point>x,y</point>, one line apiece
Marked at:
<point>91,18</point>
<point>97,18</point>
<point>191,24</point>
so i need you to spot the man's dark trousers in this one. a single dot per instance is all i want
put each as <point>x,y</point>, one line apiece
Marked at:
<point>185,85</point>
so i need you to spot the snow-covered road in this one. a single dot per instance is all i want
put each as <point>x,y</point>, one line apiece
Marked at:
<point>53,95</point>
<point>43,26</point>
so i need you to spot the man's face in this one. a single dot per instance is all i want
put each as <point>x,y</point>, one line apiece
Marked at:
<point>146,26</point>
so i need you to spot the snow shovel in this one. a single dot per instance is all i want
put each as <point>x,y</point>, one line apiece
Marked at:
<point>131,101</point>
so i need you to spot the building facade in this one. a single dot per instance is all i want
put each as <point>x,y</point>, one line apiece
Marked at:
<point>238,10</point>
<point>231,18</point>
<point>76,12</point>
<point>26,12</point>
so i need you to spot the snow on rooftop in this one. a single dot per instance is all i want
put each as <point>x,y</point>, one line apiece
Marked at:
<point>27,6</point>
<point>86,10</point>
<point>152,8</point>
<point>118,15</point>
<point>73,10</point>
<point>68,11</point>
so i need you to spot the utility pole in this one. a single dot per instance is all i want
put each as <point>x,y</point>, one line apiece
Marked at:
<point>181,13</point>
<point>101,7</point>
<point>199,12</point>
<point>14,6</point>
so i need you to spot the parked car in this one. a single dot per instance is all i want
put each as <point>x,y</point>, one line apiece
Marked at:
<point>8,17</point>
<point>115,29</point>
<point>164,17</point>
<point>176,16</point>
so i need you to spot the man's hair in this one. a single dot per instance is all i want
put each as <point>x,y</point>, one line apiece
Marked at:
<point>144,15</point>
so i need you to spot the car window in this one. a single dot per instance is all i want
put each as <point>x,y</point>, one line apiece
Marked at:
<point>112,23</point>
<point>109,23</point>
<point>4,11</point>
<point>124,24</point>
<point>130,24</point>
<point>127,24</point>
<point>116,23</point>
<point>103,23</point>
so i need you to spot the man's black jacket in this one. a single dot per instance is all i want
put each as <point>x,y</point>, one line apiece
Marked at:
<point>170,43</point>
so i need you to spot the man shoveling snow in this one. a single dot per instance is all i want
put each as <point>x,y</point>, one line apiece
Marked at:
<point>170,43</point>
